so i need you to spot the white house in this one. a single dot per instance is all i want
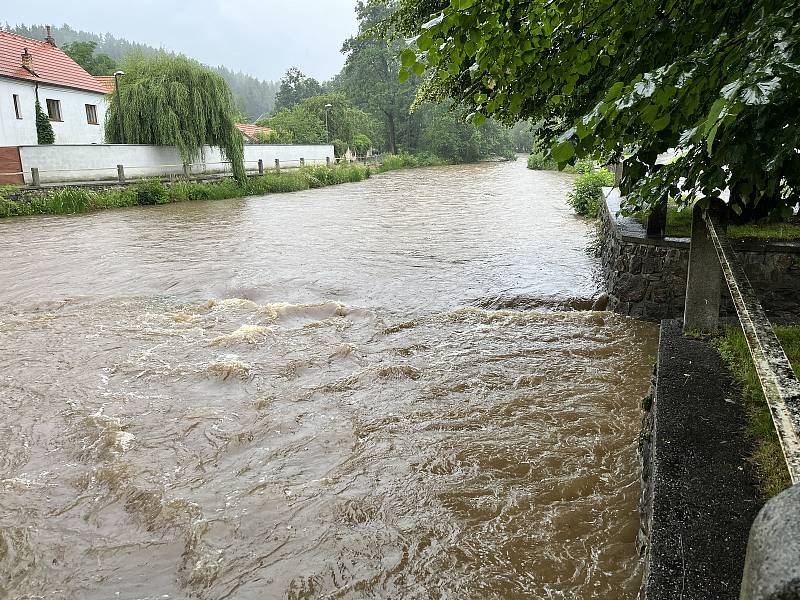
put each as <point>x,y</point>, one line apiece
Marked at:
<point>74,100</point>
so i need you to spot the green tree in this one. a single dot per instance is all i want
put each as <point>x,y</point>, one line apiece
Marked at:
<point>305,123</point>
<point>83,53</point>
<point>716,79</point>
<point>370,77</point>
<point>296,87</point>
<point>171,100</point>
<point>44,129</point>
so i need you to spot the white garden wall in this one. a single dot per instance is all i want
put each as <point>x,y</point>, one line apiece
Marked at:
<point>98,162</point>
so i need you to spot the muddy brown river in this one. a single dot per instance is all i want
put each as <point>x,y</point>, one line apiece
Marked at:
<point>389,389</point>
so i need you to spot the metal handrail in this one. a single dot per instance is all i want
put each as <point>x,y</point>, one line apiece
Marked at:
<point>778,380</point>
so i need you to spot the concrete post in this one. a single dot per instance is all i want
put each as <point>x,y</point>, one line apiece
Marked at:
<point>701,313</point>
<point>186,170</point>
<point>121,173</point>
<point>772,566</point>
<point>35,177</point>
<point>278,165</point>
<point>328,160</point>
<point>618,172</point>
<point>302,162</point>
<point>260,166</point>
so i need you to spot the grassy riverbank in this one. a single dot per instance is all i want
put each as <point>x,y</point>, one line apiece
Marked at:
<point>767,455</point>
<point>148,192</point>
<point>679,224</point>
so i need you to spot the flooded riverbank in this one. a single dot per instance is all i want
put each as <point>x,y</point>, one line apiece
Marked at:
<point>369,391</point>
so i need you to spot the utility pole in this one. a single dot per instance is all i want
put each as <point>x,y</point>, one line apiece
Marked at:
<point>327,129</point>
<point>117,75</point>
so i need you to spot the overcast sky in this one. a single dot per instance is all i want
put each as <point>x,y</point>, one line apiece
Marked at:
<point>260,37</point>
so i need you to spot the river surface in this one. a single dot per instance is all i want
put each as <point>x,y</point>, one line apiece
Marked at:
<point>389,389</point>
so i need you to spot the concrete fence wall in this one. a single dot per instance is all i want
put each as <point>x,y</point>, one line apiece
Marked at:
<point>98,162</point>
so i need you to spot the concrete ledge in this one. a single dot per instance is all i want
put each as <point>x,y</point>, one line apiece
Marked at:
<point>700,494</point>
<point>772,569</point>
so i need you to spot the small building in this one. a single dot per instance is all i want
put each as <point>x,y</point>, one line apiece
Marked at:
<point>253,134</point>
<point>74,100</point>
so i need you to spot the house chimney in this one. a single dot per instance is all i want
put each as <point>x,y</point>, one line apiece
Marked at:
<point>49,39</point>
<point>27,61</point>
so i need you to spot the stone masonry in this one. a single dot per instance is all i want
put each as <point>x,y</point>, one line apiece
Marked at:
<point>646,278</point>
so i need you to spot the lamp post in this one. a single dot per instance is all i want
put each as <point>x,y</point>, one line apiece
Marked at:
<point>117,75</point>
<point>327,129</point>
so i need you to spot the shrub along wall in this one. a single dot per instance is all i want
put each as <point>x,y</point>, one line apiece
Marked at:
<point>646,278</point>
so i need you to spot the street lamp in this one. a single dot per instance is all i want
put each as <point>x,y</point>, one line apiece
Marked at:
<point>327,129</point>
<point>117,75</point>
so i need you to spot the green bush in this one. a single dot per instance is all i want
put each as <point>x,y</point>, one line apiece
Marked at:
<point>151,191</point>
<point>583,166</point>
<point>404,160</point>
<point>70,200</point>
<point>538,161</point>
<point>587,196</point>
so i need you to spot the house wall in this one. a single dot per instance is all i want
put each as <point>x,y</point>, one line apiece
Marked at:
<point>73,129</point>
<point>13,131</point>
<point>88,162</point>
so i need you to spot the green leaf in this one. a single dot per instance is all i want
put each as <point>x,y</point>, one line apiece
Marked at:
<point>661,123</point>
<point>477,119</point>
<point>403,76</point>
<point>424,42</point>
<point>563,152</point>
<point>408,57</point>
<point>418,68</point>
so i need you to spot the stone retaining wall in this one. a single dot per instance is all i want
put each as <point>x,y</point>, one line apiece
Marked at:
<point>646,278</point>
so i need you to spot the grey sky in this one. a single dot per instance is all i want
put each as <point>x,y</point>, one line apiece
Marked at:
<point>260,37</point>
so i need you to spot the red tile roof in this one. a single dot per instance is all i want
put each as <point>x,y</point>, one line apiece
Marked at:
<point>107,81</point>
<point>51,65</point>
<point>251,131</point>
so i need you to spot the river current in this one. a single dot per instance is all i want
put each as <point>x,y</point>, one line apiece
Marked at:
<point>390,389</point>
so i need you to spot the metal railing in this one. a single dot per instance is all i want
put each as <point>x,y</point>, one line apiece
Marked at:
<point>772,565</point>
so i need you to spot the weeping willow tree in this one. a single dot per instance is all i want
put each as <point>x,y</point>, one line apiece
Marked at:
<point>174,101</point>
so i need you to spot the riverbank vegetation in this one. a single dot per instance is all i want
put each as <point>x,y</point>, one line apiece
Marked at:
<point>152,191</point>
<point>587,196</point>
<point>767,455</point>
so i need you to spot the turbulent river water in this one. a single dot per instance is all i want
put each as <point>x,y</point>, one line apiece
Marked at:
<point>389,389</point>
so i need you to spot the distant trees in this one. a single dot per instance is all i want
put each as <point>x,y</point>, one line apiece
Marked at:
<point>305,123</point>
<point>295,87</point>
<point>174,101</point>
<point>83,53</point>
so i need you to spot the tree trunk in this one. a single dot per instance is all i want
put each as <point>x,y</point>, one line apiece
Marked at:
<point>392,133</point>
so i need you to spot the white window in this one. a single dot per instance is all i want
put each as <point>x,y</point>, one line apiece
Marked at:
<point>17,107</point>
<point>54,110</point>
